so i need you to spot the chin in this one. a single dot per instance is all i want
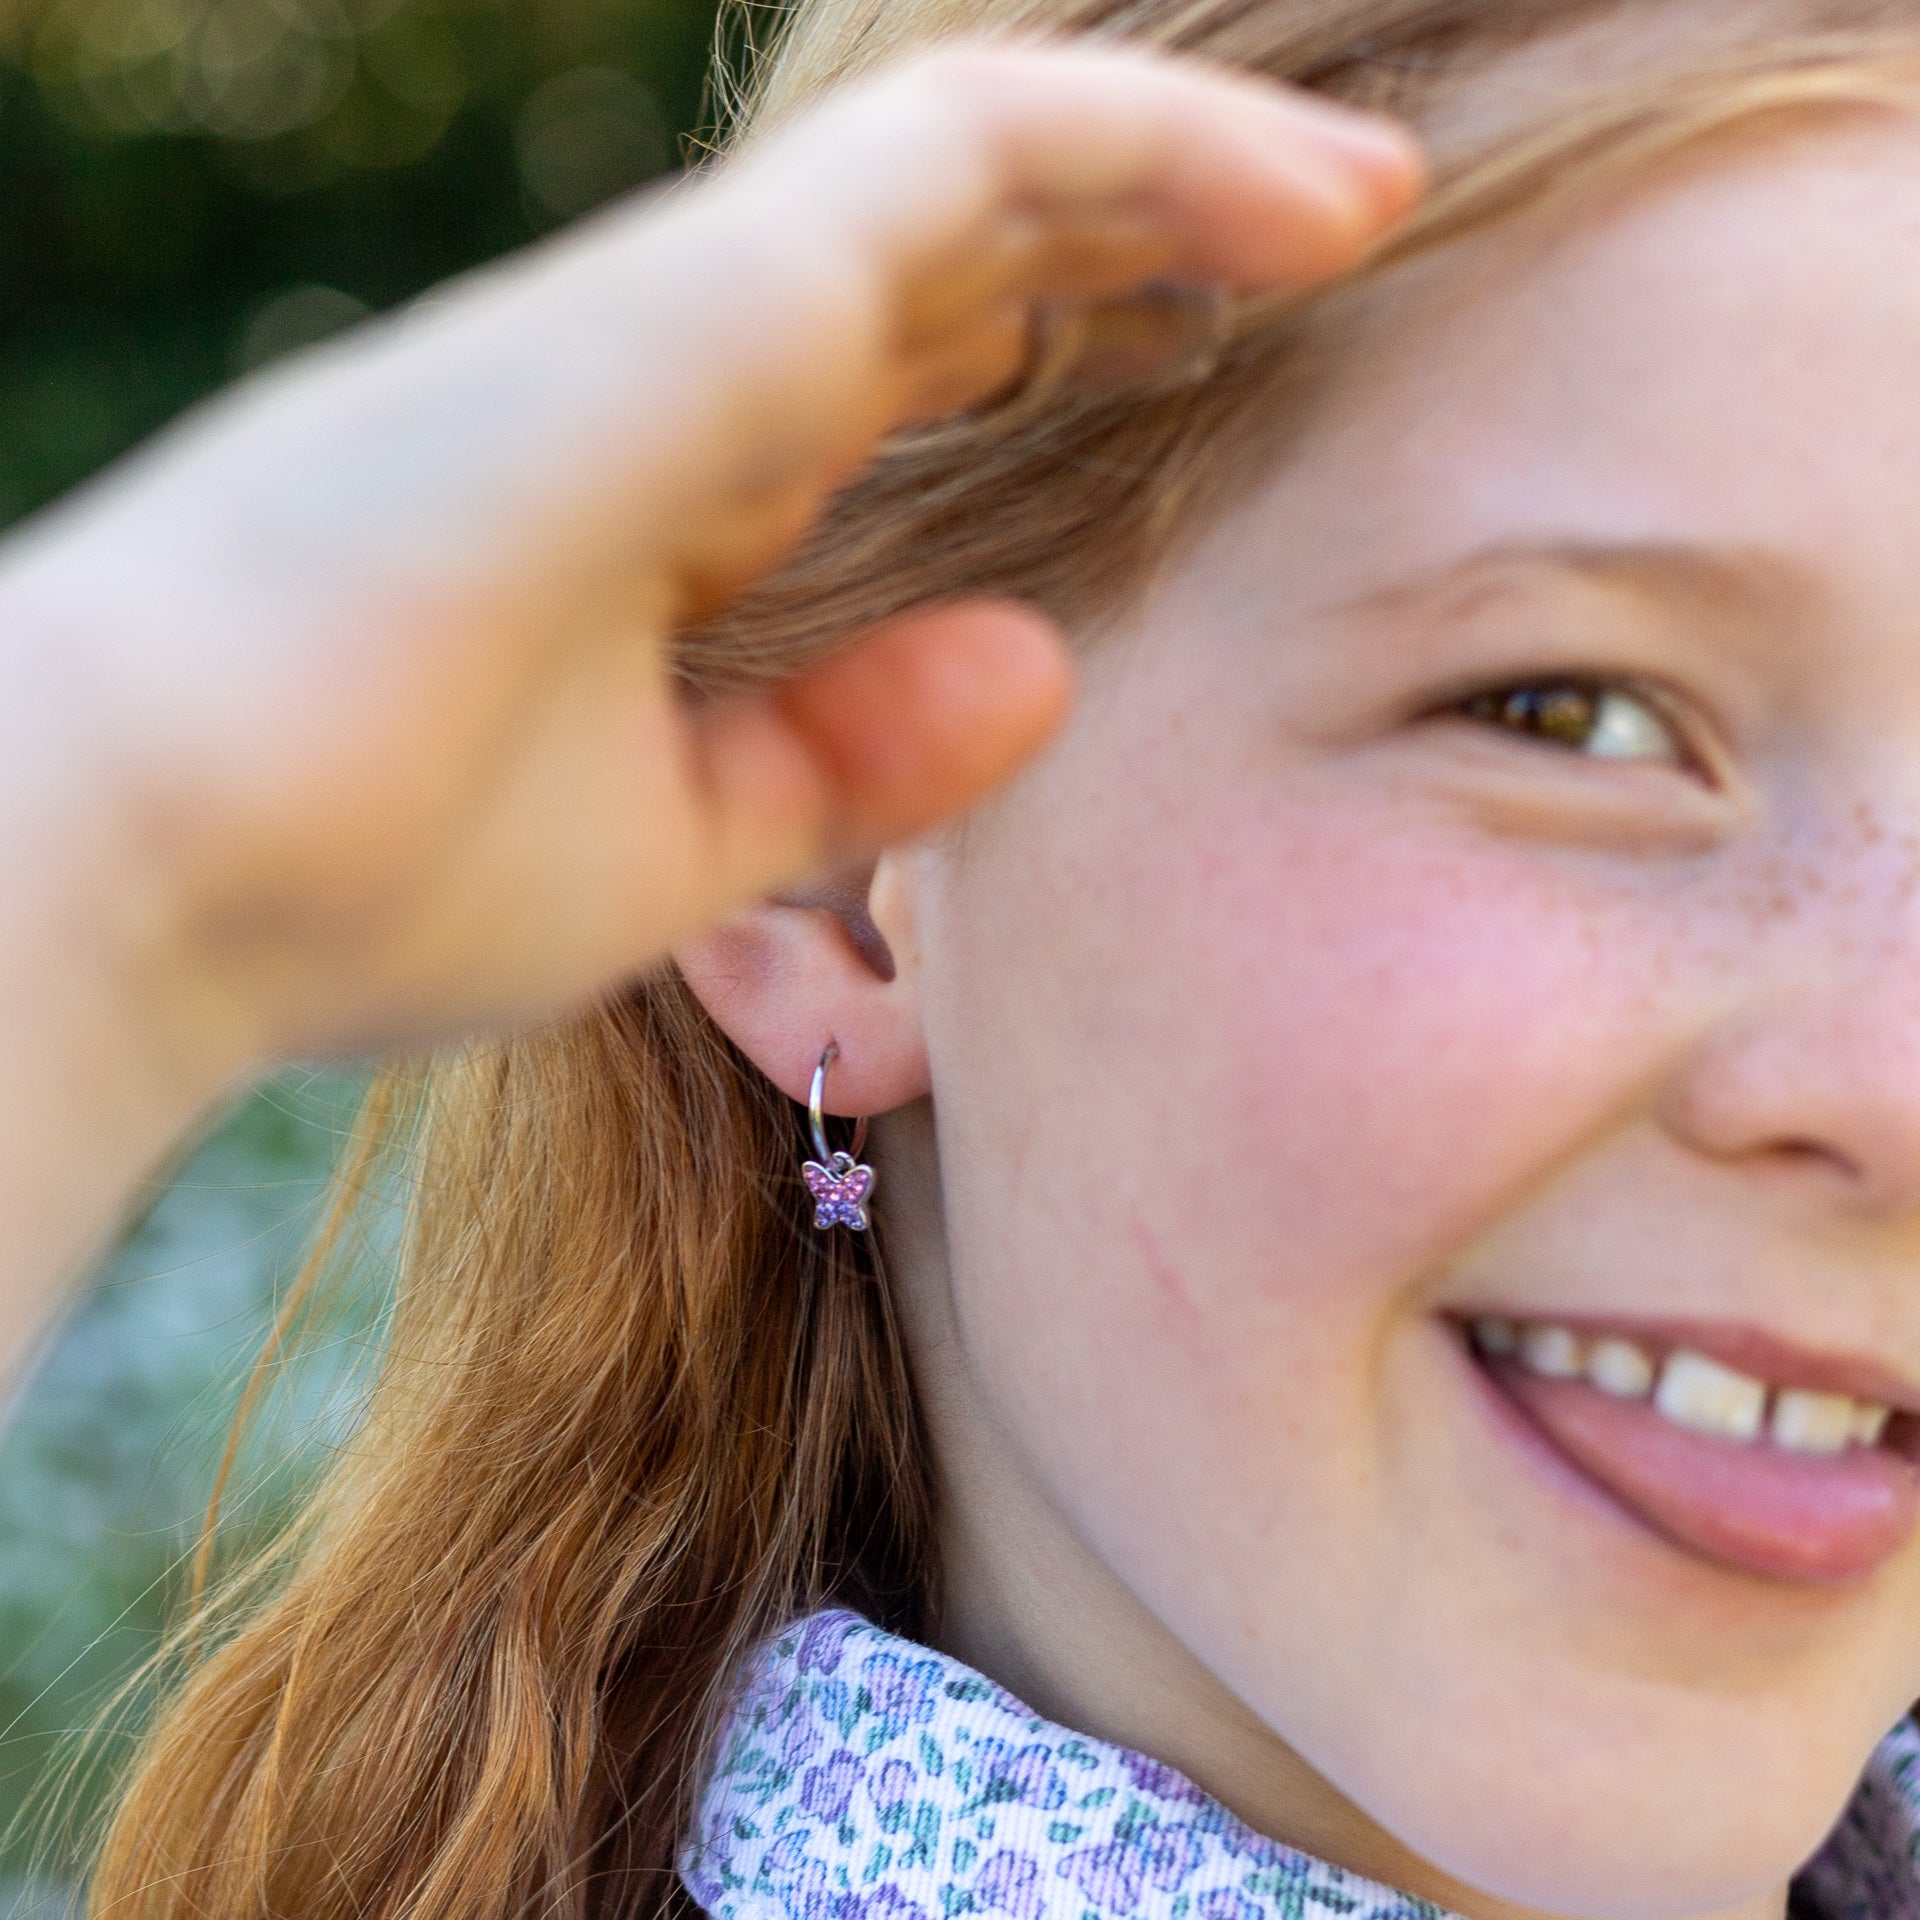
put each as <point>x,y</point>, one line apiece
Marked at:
<point>1619,1818</point>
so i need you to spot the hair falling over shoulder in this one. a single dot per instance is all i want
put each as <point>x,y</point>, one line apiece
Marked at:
<point>630,1418</point>
<point>634,1413</point>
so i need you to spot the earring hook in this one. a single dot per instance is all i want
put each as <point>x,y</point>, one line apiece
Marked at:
<point>818,1120</point>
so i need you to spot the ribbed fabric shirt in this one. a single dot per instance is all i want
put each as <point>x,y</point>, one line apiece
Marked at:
<point>862,1777</point>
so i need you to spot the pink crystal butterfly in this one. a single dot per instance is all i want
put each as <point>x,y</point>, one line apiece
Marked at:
<point>839,1190</point>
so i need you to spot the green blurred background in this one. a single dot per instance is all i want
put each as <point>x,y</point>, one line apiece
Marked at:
<point>188,190</point>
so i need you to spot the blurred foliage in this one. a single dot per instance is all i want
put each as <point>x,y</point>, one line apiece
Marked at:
<point>108,1461</point>
<point>110,1456</point>
<point>188,189</point>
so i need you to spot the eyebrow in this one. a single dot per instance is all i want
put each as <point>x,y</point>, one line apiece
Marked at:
<point>1738,580</point>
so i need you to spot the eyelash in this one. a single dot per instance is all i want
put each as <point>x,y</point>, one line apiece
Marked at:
<point>1576,715</point>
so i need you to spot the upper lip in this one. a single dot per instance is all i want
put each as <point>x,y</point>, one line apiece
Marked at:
<point>1745,1348</point>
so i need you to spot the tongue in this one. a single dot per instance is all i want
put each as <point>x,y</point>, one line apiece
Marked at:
<point>1757,1507</point>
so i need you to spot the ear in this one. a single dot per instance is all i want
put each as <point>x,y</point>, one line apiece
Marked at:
<point>837,963</point>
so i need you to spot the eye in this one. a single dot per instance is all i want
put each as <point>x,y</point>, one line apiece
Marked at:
<point>1583,716</point>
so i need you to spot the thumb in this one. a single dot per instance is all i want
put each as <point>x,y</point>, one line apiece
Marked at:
<point>912,722</point>
<point>928,712</point>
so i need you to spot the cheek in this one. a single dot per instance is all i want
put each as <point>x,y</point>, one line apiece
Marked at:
<point>1234,1076</point>
<point>1392,1029</point>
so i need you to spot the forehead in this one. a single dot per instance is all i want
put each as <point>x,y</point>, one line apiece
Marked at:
<point>1727,351</point>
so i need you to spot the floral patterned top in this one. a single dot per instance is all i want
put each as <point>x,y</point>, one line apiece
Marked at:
<point>862,1777</point>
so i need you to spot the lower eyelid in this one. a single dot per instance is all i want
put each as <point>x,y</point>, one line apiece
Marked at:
<point>1575,798</point>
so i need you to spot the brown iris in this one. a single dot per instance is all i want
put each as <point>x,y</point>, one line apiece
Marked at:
<point>1564,712</point>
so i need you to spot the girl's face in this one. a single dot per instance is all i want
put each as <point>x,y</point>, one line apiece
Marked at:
<point>1481,886</point>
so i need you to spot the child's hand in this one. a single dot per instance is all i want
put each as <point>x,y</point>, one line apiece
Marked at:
<point>354,688</point>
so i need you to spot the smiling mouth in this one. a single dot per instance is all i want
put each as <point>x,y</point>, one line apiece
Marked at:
<point>1778,1471</point>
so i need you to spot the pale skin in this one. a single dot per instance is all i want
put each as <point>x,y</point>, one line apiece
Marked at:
<point>1285,1013</point>
<point>341,717</point>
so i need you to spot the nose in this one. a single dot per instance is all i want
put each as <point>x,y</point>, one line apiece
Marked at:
<point>1813,1068</point>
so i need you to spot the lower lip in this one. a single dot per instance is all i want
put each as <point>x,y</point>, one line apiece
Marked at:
<point>1817,1521</point>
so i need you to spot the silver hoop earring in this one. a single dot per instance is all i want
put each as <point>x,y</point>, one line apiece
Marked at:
<point>839,1182</point>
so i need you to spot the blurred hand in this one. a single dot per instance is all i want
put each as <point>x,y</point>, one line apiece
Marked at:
<point>342,716</point>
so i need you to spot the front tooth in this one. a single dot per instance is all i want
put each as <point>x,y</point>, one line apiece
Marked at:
<point>1701,1394</point>
<point>1553,1351</point>
<point>1619,1367</point>
<point>1807,1422</point>
<point>1495,1336</point>
<point>1870,1422</point>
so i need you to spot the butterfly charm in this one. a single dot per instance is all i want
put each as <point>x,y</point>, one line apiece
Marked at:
<point>839,1190</point>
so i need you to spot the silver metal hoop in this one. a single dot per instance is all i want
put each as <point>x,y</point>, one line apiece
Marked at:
<point>817,1120</point>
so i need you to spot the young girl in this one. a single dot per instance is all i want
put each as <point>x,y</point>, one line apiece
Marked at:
<point>1378,1366</point>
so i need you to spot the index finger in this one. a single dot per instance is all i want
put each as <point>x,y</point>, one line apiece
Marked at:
<point>1246,183</point>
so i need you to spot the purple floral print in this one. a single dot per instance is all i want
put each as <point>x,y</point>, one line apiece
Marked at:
<point>821,1641</point>
<point>859,1777</point>
<point>900,1689</point>
<point>893,1785</point>
<point>1002,1772</point>
<point>1155,1778</point>
<point>827,1791</point>
<point>1225,1904</point>
<point>1010,1883</point>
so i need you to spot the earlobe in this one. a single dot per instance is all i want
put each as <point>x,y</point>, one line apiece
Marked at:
<point>784,979</point>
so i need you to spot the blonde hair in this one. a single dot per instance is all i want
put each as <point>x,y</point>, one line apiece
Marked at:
<point>634,1413</point>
